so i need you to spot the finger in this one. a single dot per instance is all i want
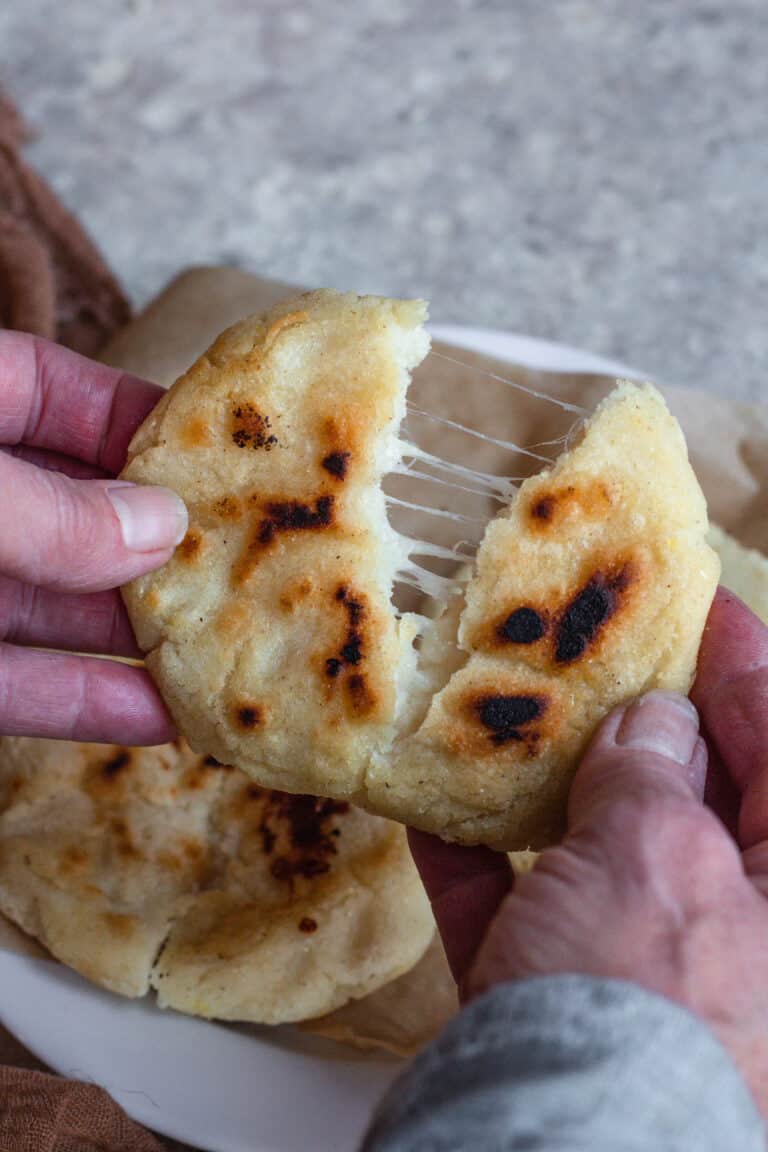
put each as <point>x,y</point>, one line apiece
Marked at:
<point>698,768</point>
<point>79,698</point>
<point>731,690</point>
<point>465,887</point>
<point>82,535</point>
<point>647,749</point>
<point>87,623</point>
<point>55,462</point>
<point>53,398</point>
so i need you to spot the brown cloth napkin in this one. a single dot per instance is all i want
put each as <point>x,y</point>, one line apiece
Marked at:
<point>42,1113</point>
<point>53,282</point>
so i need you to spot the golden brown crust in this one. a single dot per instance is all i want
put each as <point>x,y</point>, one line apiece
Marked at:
<point>112,856</point>
<point>271,632</point>
<point>279,594</point>
<point>593,586</point>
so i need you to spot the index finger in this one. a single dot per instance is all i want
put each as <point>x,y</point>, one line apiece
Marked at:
<point>731,693</point>
<point>55,399</point>
<point>83,698</point>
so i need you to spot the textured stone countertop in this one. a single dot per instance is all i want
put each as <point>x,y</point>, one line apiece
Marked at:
<point>582,170</point>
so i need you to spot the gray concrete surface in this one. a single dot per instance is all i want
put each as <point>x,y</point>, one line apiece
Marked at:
<point>593,171</point>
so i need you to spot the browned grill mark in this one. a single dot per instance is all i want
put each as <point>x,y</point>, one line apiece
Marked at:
<point>115,765</point>
<point>307,924</point>
<point>268,838</point>
<point>251,429</point>
<point>195,433</point>
<point>361,699</point>
<point>248,716</point>
<point>201,774</point>
<point>120,924</point>
<point>283,516</point>
<point>293,594</point>
<point>508,717</point>
<point>593,605</point>
<point>543,508</point>
<point>352,654</point>
<point>337,463</point>
<point>228,508</point>
<point>283,869</point>
<point>294,516</point>
<point>123,842</point>
<point>523,626</point>
<point>588,499</point>
<point>190,545</point>
<point>355,608</point>
<point>303,829</point>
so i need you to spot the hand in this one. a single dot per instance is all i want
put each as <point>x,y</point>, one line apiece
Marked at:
<point>69,536</point>
<point>650,884</point>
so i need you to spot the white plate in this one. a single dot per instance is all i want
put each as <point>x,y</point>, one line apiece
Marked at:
<point>221,1088</point>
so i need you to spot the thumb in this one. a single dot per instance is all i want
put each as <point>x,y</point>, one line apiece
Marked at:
<point>642,861</point>
<point>82,535</point>
<point>649,749</point>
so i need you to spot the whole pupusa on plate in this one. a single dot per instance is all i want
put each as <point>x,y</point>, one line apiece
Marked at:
<point>158,868</point>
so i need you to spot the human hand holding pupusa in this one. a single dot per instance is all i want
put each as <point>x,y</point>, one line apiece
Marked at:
<point>70,534</point>
<point>662,876</point>
<point>492,957</point>
<point>272,632</point>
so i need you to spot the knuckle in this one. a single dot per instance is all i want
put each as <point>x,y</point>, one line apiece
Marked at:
<point>640,814</point>
<point>63,543</point>
<point>672,835</point>
<point>74,549</point>
<point>5,690</point>
<point>18,606</point>
<point>693,828</point>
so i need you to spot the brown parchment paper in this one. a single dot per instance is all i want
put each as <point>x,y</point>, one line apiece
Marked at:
<point>728,444</point>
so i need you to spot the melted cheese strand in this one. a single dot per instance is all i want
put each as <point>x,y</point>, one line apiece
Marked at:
<point>511,383</point>
<point>438,588</point>
<point>457,517</point>
<point>422,548</point>
<point>500,488</point>
<point>407,470</point>
<point>506,444</point>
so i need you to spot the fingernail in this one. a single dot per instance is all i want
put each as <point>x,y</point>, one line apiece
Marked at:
<point>150,518</point>
<point>661,722</point>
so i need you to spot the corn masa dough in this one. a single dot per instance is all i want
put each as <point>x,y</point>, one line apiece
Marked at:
<point>158,868</point>
<point>271,632</point>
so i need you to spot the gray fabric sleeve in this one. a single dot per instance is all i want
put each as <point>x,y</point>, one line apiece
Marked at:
<point>570,1064</point>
